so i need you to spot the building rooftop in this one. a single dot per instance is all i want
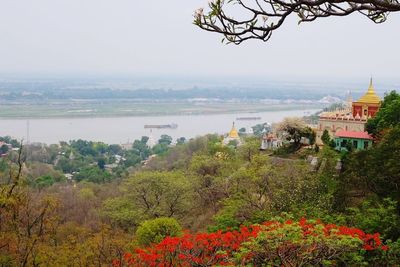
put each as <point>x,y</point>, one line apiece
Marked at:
<point>351,134</point>
<point>370,97</point>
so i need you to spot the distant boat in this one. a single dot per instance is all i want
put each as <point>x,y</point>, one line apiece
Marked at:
<point>161,126</point>
<point>248,118</point>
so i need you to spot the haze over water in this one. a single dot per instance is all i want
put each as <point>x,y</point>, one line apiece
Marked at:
<point>126,129</point>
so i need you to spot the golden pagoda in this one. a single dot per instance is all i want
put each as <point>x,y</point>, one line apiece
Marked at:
<point>233,135</point>
<point>368,104</point>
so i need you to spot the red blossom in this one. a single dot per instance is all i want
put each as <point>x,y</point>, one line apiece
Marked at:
<point>217,248</point>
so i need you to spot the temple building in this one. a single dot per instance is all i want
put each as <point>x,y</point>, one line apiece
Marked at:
<point>269,141</point>
<point>352,118</point>
<point>233,136</point>
<point>367,105</point>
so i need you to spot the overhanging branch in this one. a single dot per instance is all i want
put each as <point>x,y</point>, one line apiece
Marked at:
<point>261,17</point>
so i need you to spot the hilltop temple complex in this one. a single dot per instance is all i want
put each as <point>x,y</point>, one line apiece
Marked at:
<point>352,118</point>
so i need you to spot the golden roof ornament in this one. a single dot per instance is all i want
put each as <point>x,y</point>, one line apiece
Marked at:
<point>370,97</point>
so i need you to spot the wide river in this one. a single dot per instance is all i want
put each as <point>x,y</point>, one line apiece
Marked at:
<point>126,129</point>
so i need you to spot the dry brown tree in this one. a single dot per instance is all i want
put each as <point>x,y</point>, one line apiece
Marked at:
<point>241,20</point>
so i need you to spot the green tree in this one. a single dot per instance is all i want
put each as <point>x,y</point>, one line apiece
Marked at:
<point>114,149</point>
<point>68,166</point>
<point>44,181</point>
<point>132,159</point>
<point>294,129</point>
<point>159,194</point>
<point>377,169</point>
<point>3,149</point>
<point>93,174</point>
<point>250,148</point>
<point>101,163</point>
<point>153,231</point>
<point>388,115</point>
<point>326,138</point>
<point>84,147</point>
<point>376,216</point>
<point>140,148</point>
<point>180,140</point>
<point>165,140</point>
<point>121,212</point>
<point>10,140</point>
<point>309,134</point>
<point>160,149</point>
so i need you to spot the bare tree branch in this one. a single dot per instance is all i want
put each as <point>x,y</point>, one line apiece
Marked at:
<point>257,19</point>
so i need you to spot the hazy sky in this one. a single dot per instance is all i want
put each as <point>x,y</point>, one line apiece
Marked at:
<point>155,37</point>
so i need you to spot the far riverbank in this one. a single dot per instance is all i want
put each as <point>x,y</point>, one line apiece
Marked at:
<point>112,109</point>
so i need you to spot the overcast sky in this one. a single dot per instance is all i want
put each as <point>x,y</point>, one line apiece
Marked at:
<point>155,37</point>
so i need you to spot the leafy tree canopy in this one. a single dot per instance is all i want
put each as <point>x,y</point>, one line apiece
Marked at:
<point>153,231</point>
<point>388,115</point>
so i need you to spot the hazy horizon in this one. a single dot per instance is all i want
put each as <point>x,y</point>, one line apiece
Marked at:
<point>157,39</point>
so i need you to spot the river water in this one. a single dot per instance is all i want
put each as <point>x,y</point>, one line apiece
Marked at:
<point>126,129</point>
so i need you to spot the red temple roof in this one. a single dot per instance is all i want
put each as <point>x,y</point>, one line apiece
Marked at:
<point>351,134</point>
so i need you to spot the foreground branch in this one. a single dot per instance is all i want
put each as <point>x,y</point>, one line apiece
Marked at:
<point>259,18</point>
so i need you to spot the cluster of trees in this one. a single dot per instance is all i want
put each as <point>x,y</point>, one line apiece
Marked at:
<point>9,140</point>
<point>377,169</point>
<point>95,162</point>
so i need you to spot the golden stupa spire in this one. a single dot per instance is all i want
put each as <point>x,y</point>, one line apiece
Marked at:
<point>371,86</point>
<point>370,97</point>
<point>233,133</point>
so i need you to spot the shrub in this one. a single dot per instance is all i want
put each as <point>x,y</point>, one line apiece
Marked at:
<point>154,231</point>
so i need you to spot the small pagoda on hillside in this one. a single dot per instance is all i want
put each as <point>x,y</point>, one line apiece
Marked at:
<point>233,137</point>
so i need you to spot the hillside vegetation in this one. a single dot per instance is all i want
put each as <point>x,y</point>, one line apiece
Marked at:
<point>202,203</point>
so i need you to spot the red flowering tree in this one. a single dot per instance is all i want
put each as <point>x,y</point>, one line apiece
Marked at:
<point>285,244</point>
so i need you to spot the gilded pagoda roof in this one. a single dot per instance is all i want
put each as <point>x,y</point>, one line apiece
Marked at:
<point>370,97</point>
<point>233,133</point>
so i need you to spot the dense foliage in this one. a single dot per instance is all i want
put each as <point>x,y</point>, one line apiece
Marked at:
<point>289,243</point>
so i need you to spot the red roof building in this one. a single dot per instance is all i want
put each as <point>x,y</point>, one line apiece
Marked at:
<point>351,134</point>
<point>348,140</point>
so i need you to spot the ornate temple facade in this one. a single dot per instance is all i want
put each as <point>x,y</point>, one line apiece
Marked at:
<point>352,117</point>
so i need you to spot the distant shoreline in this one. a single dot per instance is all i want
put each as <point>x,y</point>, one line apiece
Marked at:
<point>35,112</point>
